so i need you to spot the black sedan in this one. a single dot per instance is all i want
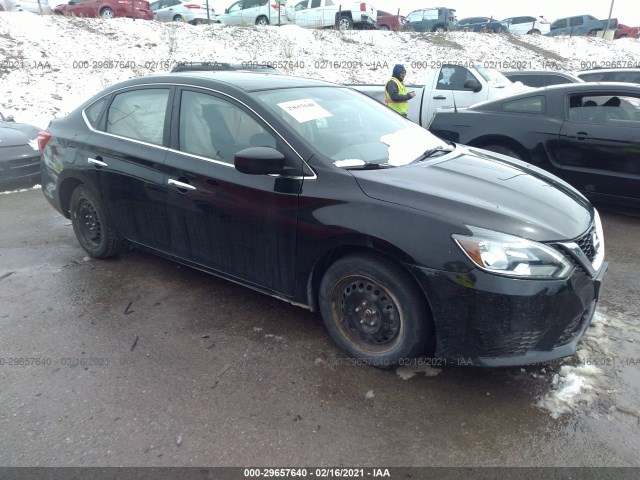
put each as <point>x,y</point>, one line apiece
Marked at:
<point>586,133</point>
<point>19,154</point>
<point>481,24</point>
<point>322,197</point>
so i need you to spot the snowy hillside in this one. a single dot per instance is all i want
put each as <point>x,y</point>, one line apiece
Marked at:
<point>48,65</point>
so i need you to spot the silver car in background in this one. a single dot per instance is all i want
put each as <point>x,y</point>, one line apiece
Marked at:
<point>26,6</point>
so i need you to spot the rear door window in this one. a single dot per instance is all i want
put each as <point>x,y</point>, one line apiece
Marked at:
<point>139,115</point>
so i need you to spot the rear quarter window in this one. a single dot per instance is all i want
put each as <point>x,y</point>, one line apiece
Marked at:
<point>94,111</point>
<point>525,105</point>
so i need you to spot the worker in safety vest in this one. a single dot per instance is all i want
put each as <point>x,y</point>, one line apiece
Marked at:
<point>395,92</point>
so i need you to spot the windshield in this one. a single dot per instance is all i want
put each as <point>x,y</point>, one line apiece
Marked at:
<point>348,127</point>
<point>493,77</point>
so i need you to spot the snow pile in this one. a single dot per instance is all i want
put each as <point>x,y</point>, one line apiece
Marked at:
<point>579,385</point>
<point>49,65</point>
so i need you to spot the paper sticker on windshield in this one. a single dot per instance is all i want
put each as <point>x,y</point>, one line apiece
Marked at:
<point>304,110</point>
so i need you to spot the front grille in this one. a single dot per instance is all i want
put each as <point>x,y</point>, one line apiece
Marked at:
<point>585,242</point>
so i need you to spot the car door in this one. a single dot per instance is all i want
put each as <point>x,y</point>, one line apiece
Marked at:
<point>124,156</point>
<point>233,14</point>
<point>299,13</point>
<point>450,89</point>
<point>415,20</point>
<point>76,8</point>
<point>320,14</point>
<point>559,27</point>
<point>576,26</point>
<point>599,145</point>
<point>241,225</point>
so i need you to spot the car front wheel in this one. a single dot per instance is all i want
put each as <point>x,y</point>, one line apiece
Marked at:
<point>374,311</point>
<point>93,230</point>
<point>262,21</point>
<point>107,13</point>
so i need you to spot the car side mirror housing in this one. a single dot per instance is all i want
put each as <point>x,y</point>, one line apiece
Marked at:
<point>474,85</point>
<point>259,161</point>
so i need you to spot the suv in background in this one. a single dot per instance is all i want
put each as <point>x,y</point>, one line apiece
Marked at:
<point>387,21</point>
<point>331,13</point>
<point>439,19</point>
<point>528,25</point>
<point>625,75</point>
<point>254,12</point>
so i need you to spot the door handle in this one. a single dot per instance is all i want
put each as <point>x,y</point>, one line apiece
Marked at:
<point>579,135</point>
<point>180,185</point>
<point>440,97</point>
<point>97,162</point>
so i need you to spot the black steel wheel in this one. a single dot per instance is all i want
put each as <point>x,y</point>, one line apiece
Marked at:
<point>93,231</point>
<point>374,310</point>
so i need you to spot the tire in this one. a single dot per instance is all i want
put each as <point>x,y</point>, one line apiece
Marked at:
<point>439,30</point>
<point>262,20</point>
<point>106,13</point>
<point>534,32</point>
<point>385,28</point>
<point>502,149</point>
<point>93,230</point>
<point>345,23</point>
<point>374,311</point>
<point>178,18</point>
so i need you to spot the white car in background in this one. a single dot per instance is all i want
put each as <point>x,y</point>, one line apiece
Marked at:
<point>25,6</point>
<point>329,13</point>
<point>254,12</point>
<point>528,25</point>
<point>189,11</point>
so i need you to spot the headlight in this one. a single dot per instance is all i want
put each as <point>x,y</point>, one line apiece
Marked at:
<point>513,256</point>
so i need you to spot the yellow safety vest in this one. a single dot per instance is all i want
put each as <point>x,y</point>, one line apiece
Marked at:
<point>400,107</point>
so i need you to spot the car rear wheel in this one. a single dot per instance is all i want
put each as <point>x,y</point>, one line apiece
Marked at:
<point>384,27</point>
<point>178,18</point>
<point>107,13</point>
<point>535,31</point>
<point>345,23</point>
<point>93,230</point>
<point>262,20</point>
<point>439,29</point>
<point>503,149</point>
<point>374,311</point>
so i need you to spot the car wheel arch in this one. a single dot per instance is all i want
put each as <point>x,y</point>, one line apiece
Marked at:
<point>66,188</point>
<point>329,257</point>
<point>508,142</point>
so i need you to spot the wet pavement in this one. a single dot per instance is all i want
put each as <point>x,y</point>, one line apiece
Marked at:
<point>138,361</point>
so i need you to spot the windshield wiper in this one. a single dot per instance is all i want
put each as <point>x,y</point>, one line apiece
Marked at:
<point>370,166</point>
<point>434,151</point>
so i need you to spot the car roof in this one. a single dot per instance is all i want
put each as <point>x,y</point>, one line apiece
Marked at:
<point>609,70</point>
<point>569,87</point>
<point>232,80</point>
<point>543,72</point>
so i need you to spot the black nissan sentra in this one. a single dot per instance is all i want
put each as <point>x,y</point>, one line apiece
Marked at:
<point>322,197</point>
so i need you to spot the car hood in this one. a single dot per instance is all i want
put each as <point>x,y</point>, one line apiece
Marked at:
<point>11,137</point>
<point>478,188</point>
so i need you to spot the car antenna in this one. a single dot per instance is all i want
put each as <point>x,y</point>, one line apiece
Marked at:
<point>455,107</point>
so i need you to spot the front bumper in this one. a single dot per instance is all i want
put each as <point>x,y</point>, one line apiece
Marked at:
<point>489,320</point>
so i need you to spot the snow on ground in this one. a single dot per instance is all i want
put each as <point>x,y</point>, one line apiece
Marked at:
<point>49,65</point>
<point>8,192</point>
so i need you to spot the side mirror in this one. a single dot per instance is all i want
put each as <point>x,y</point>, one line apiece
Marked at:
<point>474,85</point>
<point>259,161</point>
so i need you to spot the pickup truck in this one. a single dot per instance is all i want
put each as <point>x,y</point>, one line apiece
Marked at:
<point>331,13</point>
<point>581,25</point>
<point>450,86</point>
